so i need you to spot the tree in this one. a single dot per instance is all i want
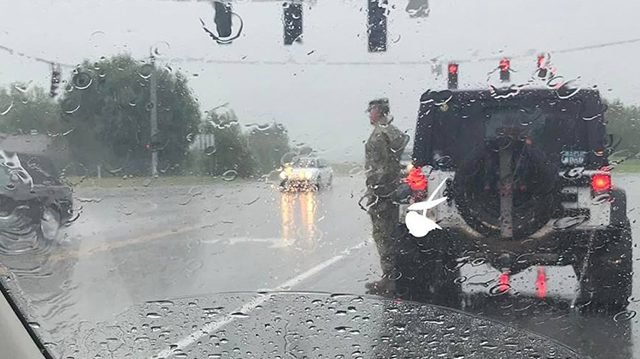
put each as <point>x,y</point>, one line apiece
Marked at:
<point>231,149</point>
<point>108,104</point>
<point>24,109</point>
<point>624,123</point>
<point>268,143</point>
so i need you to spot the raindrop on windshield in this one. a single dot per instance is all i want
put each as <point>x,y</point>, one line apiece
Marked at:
<point>145,71</point>
<point>5,110</point>
<point>625,315</point>
<point>210,150</point>
<point>82,80</point>
<point>69,107</point>
<point>230,175</point>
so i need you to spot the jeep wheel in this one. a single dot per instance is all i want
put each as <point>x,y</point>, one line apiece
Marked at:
<point>479,192</point>
<point>607,283</point>
<point>427,269</point>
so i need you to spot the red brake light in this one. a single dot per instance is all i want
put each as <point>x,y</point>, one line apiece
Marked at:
<point>453,69</point>
<point>541,283</point>
<point>540,61</point>
<point>416,180</point>
<point>601,182</point>
<point>505,64</point>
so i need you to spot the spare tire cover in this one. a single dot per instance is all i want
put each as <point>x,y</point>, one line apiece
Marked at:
<point>477,189</point>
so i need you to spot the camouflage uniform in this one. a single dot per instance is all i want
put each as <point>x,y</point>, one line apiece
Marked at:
<point>382,165</point>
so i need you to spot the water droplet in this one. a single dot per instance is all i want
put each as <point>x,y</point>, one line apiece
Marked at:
<point>499,289</point>
<point>145,71</point>
<point>342,329</point>
<point>460,279</point>
<point>210,150</point>
<point>239,315</point>
<point>34,325</point>
<point>624,315</point>
<point>161,49</point>
<point>147,182</point>
<point>69,107</point>
<point>7,109</point>
<point>153,315</point>
<point>230,175</point>
<point>82,80</point>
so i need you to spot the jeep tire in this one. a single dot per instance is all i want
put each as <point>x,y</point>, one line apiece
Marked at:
<point>607,283</point>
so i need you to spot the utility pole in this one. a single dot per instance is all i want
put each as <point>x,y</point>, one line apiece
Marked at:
<point>153,98</point>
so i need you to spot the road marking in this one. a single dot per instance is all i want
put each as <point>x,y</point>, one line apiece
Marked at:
<point>106,246</point>
<point>254,303</point>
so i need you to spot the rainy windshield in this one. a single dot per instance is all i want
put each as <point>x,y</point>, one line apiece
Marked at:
<point>326,179</point>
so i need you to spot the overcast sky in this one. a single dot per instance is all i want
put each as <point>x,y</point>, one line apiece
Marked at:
<point>322,103</point>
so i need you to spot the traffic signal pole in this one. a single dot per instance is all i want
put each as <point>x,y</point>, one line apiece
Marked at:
<point>153,99</point>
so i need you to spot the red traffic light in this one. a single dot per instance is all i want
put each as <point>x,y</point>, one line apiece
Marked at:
<point>541,61</point>
<point>453,69</point>
<point>505,64</point>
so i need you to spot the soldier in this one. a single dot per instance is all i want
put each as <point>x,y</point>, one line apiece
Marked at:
<point>382,167</point>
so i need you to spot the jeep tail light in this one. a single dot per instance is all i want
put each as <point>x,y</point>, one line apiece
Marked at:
<point>416,180</point>
<point>601,182</point>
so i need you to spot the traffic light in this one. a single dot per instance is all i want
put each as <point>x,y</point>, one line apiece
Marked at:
<point>542,65</point>
<point>377,25</point>
<point>504,67</point>
<point>222,18</point>
<point>56,77</point>
<point>292,23</point>
<point>452,73</point>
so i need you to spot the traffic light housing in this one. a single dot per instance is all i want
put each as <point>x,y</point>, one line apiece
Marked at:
<point>542,65</point>
<point>377,25</point>
<point>452,76</point>
<point>56,77</point>
<point>292,20</point>
<point>222,18</point>
<point>505,69</point>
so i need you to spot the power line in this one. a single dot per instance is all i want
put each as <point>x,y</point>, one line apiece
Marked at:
<point>204,60</point>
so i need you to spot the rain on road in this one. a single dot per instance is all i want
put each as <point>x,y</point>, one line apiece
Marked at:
<point>131,245</point>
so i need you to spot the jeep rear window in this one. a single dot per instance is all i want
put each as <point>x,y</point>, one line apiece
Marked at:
<point>553,126</point>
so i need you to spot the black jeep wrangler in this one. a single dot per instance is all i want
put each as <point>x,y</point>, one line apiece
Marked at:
<point>527,182</point>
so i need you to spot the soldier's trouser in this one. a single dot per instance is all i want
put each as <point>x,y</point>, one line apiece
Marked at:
<point>384,219</point>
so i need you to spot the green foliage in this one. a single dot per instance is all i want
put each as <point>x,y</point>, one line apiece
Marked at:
<point>108,105</point>
<point>268,144</point>
<point>28,108</point>
<point>624,124</point>
<point>231,148</point>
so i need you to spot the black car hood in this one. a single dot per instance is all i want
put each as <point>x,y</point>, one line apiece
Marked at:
<point>301,325</point>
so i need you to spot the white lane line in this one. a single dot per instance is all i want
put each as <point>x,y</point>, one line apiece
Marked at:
<point>254,303</point>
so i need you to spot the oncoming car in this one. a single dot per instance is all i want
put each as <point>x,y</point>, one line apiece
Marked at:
<point>306,174</point>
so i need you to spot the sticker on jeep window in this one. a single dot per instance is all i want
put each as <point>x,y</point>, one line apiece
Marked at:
<point>416,219</point>
<point>573,158</point>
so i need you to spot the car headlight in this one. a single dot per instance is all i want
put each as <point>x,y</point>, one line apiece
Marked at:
<point>308,175</point>
<point>283,175</point>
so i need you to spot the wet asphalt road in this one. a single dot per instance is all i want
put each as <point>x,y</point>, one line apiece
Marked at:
<point>132,245</point>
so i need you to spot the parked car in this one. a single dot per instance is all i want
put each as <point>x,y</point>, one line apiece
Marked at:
<point>30,189</point>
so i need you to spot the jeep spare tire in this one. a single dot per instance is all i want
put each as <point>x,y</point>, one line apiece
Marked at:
<point>477,189</point>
